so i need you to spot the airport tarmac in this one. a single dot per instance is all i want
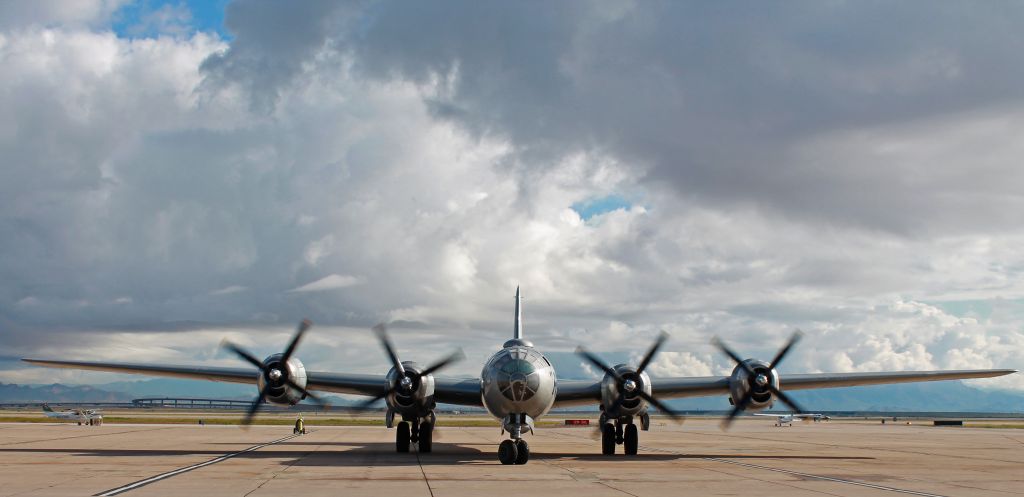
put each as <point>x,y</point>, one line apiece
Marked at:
<point>838,458</point>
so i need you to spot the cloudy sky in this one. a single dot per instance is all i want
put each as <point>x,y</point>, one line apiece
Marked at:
<point>174,173</point>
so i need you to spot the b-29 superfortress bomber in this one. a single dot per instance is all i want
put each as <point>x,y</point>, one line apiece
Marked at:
<point>518,385</point>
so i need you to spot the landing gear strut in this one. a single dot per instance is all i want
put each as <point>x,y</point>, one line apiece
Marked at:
<point>516,450</point>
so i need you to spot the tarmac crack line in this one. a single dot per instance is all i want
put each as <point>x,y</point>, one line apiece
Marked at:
<point>289,466</point>
<point>797,473</point>
<point>85,436</point>
<point>162,476</point>
<point>879,449</point>
<point>424,473</point>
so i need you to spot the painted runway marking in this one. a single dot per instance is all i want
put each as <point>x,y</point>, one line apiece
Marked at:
<point>154,479</point>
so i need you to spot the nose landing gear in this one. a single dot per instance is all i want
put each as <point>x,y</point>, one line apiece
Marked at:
<point>515,450</point>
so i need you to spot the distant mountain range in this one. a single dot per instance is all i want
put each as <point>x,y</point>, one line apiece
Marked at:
<point>939,396</point>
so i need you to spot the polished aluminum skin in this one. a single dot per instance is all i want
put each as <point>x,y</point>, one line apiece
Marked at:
<point>276,370</point>
<point>632,404</point>
<point>518,380</point>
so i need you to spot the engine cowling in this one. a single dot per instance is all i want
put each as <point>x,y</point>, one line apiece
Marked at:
<point>632,403</point>
<point>757,385</point>
<point>412,393</point>
<point>273,376</point>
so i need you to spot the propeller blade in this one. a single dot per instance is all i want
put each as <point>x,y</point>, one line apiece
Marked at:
<point>247,420</point>
<point>368,402</point>
<point>721,346</point>
<point>456,356</point>
<point>785,350</point>
<point>740,406</point>
<point>785,399</point>
<point>244,354</point>
<point>660,405</point>
<point>653,350</point>
<point>599,364</point>
<point>307,393</point>
<point>382,335</point>
<point>303,326</point>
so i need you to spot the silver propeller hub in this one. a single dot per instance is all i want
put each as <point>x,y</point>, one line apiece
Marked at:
<point>275,374</point>
<point>406,383</point>
<point>761,380</point>
<point>629,385</point>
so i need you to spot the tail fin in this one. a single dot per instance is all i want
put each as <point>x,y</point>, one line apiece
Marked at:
<point>46,408</point>
<point>517,332</point>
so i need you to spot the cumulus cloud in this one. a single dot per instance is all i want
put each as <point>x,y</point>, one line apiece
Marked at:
<point>782,171</point>
<point>330,282</point>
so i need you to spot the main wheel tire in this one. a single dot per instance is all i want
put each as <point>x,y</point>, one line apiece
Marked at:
<point>632,440</point>
<point>608,439</point>
<point>522,451</point>
<point>402,437</point>
<point>426,437</point>
<point>507,452</point>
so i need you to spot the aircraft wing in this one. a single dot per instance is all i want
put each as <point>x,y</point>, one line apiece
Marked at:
<point>464,391</point>
<point>710,385</point>
<point>574,392</point>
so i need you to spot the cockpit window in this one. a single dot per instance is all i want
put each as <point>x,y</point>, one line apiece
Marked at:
<point>517,377</point>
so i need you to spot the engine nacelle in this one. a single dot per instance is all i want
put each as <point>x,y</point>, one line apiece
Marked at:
<point>416,398</point>
<point>631,404</point>
<point>741,382</point>
<point>275,373</point>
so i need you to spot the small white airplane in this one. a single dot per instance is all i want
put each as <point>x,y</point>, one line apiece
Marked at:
<point>82,416</point>
<point>781,419</point>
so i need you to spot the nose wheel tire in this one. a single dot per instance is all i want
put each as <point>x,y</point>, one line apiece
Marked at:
<point>402,436</point>
<point>426,437</point>
<point>632,440</point>
<point>522,451</point>
<point>508,452</point>
<point>608,439</point>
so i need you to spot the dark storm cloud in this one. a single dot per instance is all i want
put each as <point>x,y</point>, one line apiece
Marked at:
<point>715,100</point>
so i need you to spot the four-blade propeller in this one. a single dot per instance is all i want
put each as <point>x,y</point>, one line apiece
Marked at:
<point>275,374</point>
<point>631,386</point>
<point>409,380</point>
<point>758,380</point>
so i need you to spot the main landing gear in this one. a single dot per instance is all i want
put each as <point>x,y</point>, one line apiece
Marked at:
<point>619,432</point>
<point>418,432</point>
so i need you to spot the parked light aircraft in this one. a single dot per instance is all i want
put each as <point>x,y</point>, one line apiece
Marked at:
<point>82,416</point>
<point>781,419</point>
<point>518,385</point>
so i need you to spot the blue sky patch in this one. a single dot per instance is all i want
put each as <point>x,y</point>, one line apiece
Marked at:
<point>602,205</point>
<point>152,18</point>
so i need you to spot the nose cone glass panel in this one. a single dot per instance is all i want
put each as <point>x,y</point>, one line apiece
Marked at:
<point>517,376</point>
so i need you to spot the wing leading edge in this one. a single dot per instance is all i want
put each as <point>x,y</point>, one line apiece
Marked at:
<point>572,393</point>
<point>447,390</point>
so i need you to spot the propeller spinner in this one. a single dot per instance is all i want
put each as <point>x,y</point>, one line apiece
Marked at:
<point>275,373</point>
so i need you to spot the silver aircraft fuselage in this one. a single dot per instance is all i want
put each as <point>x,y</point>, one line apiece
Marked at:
<point>518,379</point>
<point>518,382</point>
